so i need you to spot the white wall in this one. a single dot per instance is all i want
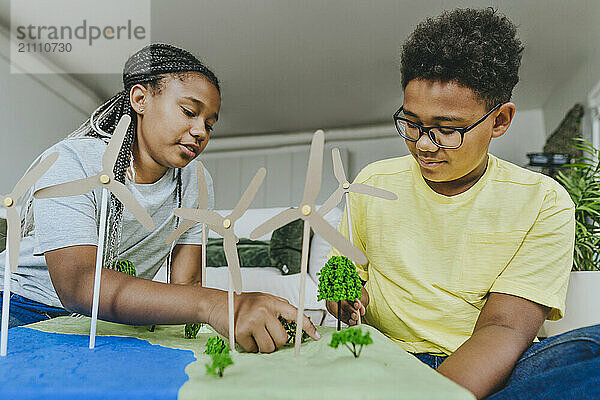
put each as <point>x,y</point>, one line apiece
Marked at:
<point>525,135</point>
<point>576,86</point>
<point>33,118</point>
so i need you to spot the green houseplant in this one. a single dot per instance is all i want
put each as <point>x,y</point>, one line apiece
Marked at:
<point>582,182</point>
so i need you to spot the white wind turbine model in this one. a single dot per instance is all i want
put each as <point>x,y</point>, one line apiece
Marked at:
<point>344,189</point>
<point>224,226</point>
<point>106,180</point>
<point>187,224</point>
<point>13,237</point>
<point>307,212</point>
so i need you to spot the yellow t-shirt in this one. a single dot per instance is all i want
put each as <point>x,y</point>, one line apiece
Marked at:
<point>434,258</point>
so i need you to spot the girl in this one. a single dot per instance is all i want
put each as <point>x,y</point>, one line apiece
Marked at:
<point>174,102</point>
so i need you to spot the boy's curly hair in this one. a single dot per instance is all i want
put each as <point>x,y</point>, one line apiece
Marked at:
<point>476,48</point>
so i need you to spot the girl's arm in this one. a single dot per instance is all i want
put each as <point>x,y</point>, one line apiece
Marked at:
<point>186,264</point>
<point>123,298</point>
<point>136,301</point>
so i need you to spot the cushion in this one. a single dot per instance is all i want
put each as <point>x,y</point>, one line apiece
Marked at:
<point>252,253</point>
<point>285,248</point>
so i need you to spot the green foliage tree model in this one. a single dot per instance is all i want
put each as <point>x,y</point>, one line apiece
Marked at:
<point>216,345</point>
<point>339,281</point>
<point>126,267</point>
<point>218,349</point>
<point>290,328</point>
<point>351,336</point>
<point>219,363</point>
<point>191,330</point>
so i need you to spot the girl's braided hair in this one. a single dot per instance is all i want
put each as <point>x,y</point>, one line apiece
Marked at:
<point>149,66</point>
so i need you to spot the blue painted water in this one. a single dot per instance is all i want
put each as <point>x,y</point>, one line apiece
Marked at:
<point>42,365</point>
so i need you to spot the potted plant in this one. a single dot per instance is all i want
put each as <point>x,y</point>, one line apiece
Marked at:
<point>582,182</point>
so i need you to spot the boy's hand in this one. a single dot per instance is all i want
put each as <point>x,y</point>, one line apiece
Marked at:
<point>350,310</point>
<point>257,327</point>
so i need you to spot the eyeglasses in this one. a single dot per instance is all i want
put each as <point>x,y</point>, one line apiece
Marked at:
<point>446,137</point>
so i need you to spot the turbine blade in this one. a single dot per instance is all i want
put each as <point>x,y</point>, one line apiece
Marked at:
<point>336,239</point>
<point>13,236</point>
<point>32,176</point>
<point>233,262</point>
<point>208,217</point>
<point>109,158</point>
<point>314,171</point>
<point>372,191</point>
<point>281,219</point>
<point>248,195</point>
<point>73,188</point>
<point>202,189</point>
<point>332,201</point>
<point>181,229</point>
<point>338,166</point>
<point>130,202</point>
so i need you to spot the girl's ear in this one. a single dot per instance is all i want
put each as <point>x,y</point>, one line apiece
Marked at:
<point>503,119</point>
<point>137,97</point>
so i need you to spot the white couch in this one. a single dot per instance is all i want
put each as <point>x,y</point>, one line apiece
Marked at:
<point>269,279</point>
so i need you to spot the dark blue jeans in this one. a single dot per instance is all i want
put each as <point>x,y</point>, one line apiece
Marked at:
<point>565,366</point>
<point>24,311</point>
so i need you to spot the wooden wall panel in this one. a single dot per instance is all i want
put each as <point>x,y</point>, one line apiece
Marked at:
<point>284,183</point>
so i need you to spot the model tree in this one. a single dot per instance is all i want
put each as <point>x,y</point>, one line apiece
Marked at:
<point>126,267</point>
<point>219,363</point>
<point>216,345</point>
<point>191,330</point>
<point>290,329</point>
<point>353,336</point>
<point>339,281</point>
<point>218,349</point>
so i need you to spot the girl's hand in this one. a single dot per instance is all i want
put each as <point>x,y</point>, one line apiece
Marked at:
<point>257,327</point>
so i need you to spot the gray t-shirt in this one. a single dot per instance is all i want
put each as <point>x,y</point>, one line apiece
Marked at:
<point>74,220</point>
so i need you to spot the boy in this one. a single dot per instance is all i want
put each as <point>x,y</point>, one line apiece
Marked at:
<point>475,255</point>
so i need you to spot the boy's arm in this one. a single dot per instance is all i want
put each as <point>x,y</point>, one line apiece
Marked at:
<point>505,328</point>
<point>186,264</point>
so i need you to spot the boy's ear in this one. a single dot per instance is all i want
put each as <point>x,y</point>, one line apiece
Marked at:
<point>503,119</point>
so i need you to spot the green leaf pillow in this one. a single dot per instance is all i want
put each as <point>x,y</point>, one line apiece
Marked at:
<point>252,253</point>
<point>285,248</point>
